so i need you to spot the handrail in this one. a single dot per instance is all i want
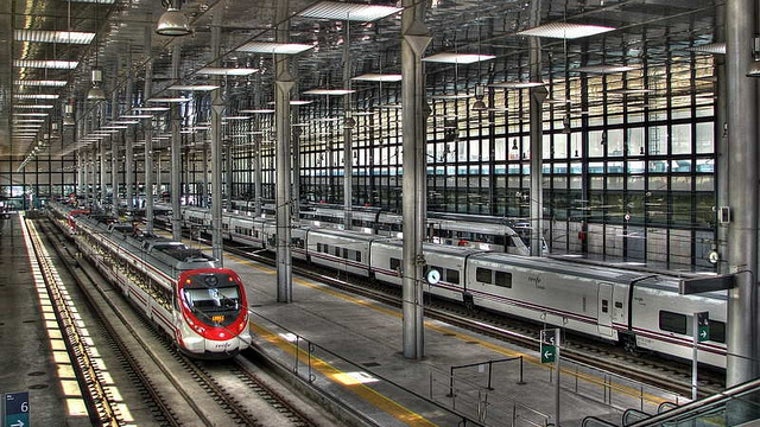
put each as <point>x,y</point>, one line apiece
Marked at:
<point>701,405</point>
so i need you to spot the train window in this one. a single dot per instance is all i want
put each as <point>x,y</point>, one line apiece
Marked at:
<point>452,276</point>
<point>298,242</point>
<point>345,253</point>
<point>717,331</point>
<point>503,279</point>
<point>618,304</point>
<point>484,275</point>
<point>395,264</point>
<point>605,306</point>
<point>672,322</point>
<point>358,256</point>
<point>319,247</point>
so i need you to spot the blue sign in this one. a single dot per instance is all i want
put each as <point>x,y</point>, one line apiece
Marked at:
<point>16,410</point>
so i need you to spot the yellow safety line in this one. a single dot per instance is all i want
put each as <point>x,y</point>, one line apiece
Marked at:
<point>388,405</point>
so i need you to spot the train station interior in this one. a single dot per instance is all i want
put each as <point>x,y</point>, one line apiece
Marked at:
<point>619,133</point>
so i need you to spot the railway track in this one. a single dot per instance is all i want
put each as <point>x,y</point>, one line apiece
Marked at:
<point>178,391</point>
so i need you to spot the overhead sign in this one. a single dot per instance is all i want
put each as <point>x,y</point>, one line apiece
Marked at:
<point>706,284</point>
<point>16,410</point>
<point>703,326</point>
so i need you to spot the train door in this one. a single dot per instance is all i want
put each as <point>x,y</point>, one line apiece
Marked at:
<point>604,311</point>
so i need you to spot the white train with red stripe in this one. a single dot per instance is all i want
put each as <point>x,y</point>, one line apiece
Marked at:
<point>202,306</point>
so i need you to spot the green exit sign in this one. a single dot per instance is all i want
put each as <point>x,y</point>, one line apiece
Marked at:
<point>548,353</point>
<point>703,326</point>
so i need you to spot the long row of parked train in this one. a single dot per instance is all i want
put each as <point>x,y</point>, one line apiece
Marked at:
<point>476,231</point>
<point>184,292</point>
<point>640,311</point>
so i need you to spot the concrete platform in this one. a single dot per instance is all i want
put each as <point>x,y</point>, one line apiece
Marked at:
<point>351,349</point>
<point>32,355</point>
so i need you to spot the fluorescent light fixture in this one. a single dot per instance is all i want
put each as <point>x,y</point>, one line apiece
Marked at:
<point>372,77</point>
<point>349,11</point>
<point>517,85</point>
<point>35,96</point>
<point>329,92</point>
<point>275,48</point>
<point>40,120</point>
<point>126,122</point>
<point>41,36</point>
<point>194,87</point>
<point>52,83</point>
<point>180,99</point>
<point>30,114</point>
<point>136,116</point>
<point>154,109</point>
<point>714,48</point>
<point>236,117</point>
<point>114,127</point>
<point>458,58</point>
<point>42,106</point>
<point>565,30</point>
<point>43,63</point>
<point>258,111</point>
<point>215,71</point>
<point>604,69</point>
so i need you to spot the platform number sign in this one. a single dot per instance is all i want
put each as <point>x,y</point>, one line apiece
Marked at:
<point>16,409</point>
<point>703,326</point>
<point>548,346</point>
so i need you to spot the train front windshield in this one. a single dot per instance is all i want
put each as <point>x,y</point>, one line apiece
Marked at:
<point>213,299</point>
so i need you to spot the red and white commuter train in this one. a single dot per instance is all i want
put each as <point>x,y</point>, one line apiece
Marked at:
<point>183,291</point>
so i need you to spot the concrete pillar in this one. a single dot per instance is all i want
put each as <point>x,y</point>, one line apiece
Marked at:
<point>415,38</point>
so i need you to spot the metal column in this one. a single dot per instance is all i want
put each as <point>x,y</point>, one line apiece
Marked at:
<point>148,127</point>
<point>348,129</point>
<point>742,339</point>
<point>129,147</point>
<point>415,38</point>
<point>283,85</point>
<point>115,158</point>
<point>537,97</point>
<point>175,170</point>
<point>217,107</point>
